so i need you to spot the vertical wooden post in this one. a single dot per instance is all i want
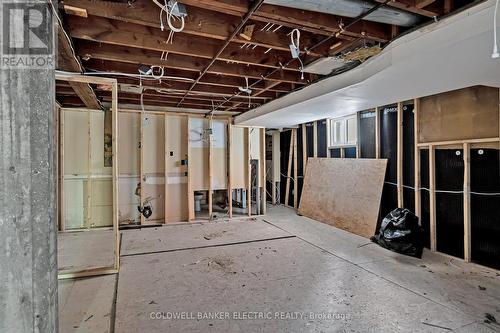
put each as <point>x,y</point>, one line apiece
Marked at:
<point>432,196</point>
<point>89,171</point>
<point>210,185</point>
<point>114,147</point>
<point>467,211</point>
<point>400,155</point>
<point>289,169</point>
<point>190,195</point>
<point>315,139</point>
<point>141,166</point>
<point>377,133</point>
<point>342,152</point>
<point>165,173</point>
<point>417,182</point>
<point>263,193</point>
<point>358,143</point>
<point>249,173</point>
<point>229,153</point>
<point>61,172</point>
<point>295,174</point>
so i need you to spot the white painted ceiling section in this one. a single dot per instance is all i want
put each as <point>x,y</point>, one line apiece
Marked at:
<point>451,54</point>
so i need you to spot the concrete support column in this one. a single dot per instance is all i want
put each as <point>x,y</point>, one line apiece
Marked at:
<point>28,209</point>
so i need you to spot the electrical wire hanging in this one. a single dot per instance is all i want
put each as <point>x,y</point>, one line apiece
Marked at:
<point>295,49</point>
<point>169,12</point>
<point>494,55</point>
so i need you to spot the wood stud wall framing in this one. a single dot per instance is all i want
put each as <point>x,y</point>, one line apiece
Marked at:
<point>114,111</point>
<point>465,144</point>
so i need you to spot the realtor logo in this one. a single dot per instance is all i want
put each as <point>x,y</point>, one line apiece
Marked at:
<point>27,28</point>
<point>27,39</point>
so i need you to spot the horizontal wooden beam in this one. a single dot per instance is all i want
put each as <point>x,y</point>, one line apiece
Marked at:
<point>92,50</point>
<point>313,22</point>
<point>115,32</point>
<point>209,79</point>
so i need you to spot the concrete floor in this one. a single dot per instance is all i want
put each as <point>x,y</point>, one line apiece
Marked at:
<point>297,274</point>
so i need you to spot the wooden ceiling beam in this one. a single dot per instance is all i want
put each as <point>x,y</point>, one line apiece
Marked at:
<point>114,32</point>
<point>67,61</point>
<point>92,50</point>
<point>313,22</point>
<point>216,23</point>
<point>209,79</point>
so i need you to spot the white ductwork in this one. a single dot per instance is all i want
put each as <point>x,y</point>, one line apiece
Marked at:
<point>451,54</point>
<point>352,8</point>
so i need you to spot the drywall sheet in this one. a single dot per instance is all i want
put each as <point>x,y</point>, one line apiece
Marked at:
<point>75,203</point>
<point>128,201</point>
<point>485,210</point>
<point>219,154</point>
<point>344,193</point>
<point>469,113</point>
<point>76,142</point>
<point>176,151</point>
<point>128,143</point>
<point>367,134</point>
<point>198,153</point>
<point>239,168</point>
<point>153,127</point>
<point>101,209</point>
<point>450,204</point>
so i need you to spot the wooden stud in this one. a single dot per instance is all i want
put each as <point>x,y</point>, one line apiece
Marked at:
<point>315,139</point>
<point>61,172</point>
<point>229,173</point>
<point>467,210</point>
<point>249,173</point>
<point>114,145</point>
<point>289,170</point>
<point>458,142</point>
<point>432,197</point>
<point>295,173</point>
<point>263,194</point>
<point>141,165</point>
<point>358,142</point>
<point>377,132</point>
<point>400,155</point>
<point>210,176</point>
<point>165,173</point>
<point>89,171</point>
<point>342,152</point>
<point>417,182</point>
<point>190,197</point>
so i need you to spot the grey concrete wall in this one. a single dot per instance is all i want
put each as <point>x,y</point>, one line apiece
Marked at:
<point>28,231</point>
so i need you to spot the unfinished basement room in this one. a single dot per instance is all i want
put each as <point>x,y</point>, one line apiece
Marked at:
<point>250,166</point>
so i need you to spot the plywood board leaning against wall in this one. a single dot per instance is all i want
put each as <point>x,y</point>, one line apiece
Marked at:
<point>344,193</point>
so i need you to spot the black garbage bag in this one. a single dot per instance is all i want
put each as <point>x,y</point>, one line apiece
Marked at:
<point>401,233</point>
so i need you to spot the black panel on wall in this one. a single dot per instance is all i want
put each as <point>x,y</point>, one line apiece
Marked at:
<point>367,134</point>
<point>284,150</point>
<point>388,149</point>
<point>450,206</point>
<point>485,209</point>
<point>310,139</point>
<point>408,158</point>
<point>322,144</point>
<point>350,152</point>
<point>425,217</point>
<point>335,152</point>
<point>300,162</point>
